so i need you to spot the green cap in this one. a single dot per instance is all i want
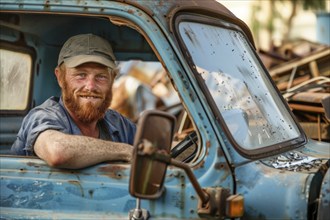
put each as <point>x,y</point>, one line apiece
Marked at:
<point>86,48</point>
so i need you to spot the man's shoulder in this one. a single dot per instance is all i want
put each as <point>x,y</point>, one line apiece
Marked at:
<point>51,105</point>
<point>50,114</point>
<point>51,102</point>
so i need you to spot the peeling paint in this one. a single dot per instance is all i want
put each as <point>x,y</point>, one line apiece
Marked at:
<point>130,11</point>
<point>76,183</point>
<point>294,161</point>
<point>31,164</point>
<point>220,152</point>
<point>220,166</point>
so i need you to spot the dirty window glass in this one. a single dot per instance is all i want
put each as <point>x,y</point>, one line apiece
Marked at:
<point>15,76</point>
<point>250,106</point>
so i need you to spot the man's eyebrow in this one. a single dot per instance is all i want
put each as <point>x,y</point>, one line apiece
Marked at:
<point>80,69</point>
<point>85,69</point>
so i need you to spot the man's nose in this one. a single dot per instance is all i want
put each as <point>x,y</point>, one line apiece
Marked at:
<point>90,84</point>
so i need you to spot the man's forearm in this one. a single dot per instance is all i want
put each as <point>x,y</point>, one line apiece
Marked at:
<point>74,151</point>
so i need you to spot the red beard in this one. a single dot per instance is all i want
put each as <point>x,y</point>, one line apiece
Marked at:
<point>85,112</point>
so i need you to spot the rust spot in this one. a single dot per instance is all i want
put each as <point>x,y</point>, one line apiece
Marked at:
<point>225,171</point>
<point>192,97</point>
<point>113,171</point>
<point>77,183</point>
<point>23,170</point>
<point>208,143</point>
<point>219,166</point>
<point>130,11</point>
<point>31,164</point>
<point>220,152</point>
<point>74,182</point>
<point>91,192</point>
<point>47,6</point>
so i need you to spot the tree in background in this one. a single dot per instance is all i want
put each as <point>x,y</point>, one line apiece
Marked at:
<point>275,14</point>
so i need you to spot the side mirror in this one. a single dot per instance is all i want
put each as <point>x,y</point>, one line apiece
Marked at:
<point>151,156</point>
<point>155,131</point>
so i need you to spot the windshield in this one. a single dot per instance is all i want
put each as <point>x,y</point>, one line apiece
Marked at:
<point>250,106</point>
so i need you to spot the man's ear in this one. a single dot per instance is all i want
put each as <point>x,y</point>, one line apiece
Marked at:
<point>113,73</point>
<point>58,73</point>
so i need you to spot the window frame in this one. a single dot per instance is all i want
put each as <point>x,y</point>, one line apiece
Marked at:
<point>250,154</point>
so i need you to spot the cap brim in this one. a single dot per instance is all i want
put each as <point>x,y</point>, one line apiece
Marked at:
<point>81,59</point>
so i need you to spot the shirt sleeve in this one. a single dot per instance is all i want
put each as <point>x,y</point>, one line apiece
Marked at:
<point>37,121</point>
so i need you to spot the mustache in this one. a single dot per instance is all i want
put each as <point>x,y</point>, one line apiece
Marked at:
<point>90,94</point>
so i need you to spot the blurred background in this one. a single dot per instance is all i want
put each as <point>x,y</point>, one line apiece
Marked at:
<point>276,21</point>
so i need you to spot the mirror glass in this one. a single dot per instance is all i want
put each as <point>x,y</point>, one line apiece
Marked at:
<point>155,130</point>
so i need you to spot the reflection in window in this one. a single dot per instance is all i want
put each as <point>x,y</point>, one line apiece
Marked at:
<point>15,76</point>
<point>250,106</point>
<point>141,86</point>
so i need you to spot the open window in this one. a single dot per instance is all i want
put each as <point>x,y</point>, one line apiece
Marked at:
<point>145,85</point>
<point>142,83</point>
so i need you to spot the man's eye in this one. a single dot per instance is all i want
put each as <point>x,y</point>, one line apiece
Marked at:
<point>81,75</point>
<point>102,77</point>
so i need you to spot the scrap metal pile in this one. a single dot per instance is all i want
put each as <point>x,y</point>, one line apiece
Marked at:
<point>301,71</point>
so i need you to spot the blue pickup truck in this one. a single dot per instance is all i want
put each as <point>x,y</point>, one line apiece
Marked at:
<point>232,150</point>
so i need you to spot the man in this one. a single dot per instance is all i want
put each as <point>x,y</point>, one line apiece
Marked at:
<point>78,130</point>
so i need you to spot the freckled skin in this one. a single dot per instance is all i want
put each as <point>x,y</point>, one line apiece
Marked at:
<point>74,151</point>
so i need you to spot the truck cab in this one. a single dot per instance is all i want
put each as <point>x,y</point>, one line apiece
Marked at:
<point>230,132</point>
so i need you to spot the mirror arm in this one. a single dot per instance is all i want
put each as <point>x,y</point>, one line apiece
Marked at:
<point>166,158</point>
<point>201,193</point>
<point>147,149</point>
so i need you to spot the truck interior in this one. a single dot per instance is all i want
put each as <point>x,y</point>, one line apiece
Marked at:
<point>29,46</point>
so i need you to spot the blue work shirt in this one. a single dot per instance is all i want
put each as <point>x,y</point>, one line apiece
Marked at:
<point>52,115</point>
